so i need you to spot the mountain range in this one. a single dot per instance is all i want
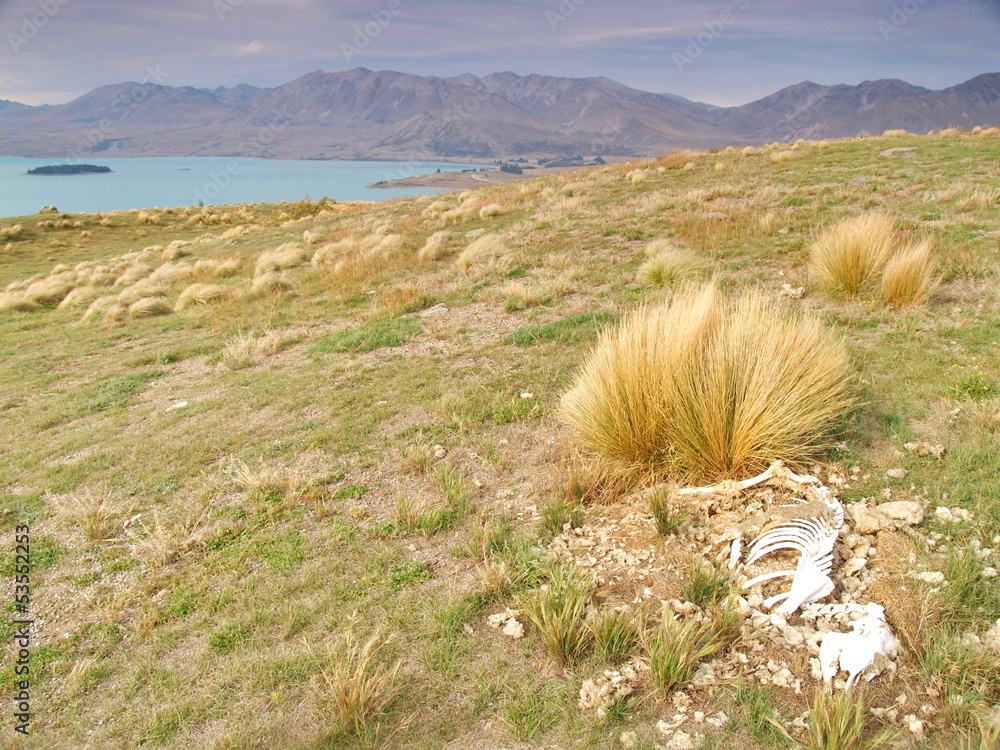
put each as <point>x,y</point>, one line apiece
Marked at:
<point>364,114</point>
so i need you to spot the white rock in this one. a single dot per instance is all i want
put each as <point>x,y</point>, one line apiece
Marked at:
<point>513,629</point>
<point>897,473</point>
<point>915,725</point>
<point>933,577</point>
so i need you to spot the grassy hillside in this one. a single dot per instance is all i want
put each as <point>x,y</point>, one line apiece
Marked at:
<point>243,436</point>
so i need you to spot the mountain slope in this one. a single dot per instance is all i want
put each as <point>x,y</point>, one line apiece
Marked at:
<point>362,113</point>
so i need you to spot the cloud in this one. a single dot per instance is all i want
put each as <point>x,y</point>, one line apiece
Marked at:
<point>250,48</point>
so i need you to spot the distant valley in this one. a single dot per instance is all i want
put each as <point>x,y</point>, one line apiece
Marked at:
<point>364,114</point>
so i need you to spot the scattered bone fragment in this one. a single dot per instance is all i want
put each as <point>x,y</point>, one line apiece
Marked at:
<point>856,651</point>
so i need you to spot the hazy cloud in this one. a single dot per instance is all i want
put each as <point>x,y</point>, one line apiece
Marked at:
<point>250,48</point>
<point>746,48</point>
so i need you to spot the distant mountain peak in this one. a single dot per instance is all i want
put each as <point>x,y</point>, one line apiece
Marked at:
<point>360,113</point>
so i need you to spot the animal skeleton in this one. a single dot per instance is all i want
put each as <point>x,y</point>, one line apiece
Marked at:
<point>809,527</point>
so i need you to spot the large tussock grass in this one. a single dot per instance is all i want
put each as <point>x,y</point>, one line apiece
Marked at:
<point>845,256</point>
<point>910,277</point>
<point>706,387</point>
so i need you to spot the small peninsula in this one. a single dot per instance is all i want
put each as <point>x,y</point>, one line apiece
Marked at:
<point>70,169</point>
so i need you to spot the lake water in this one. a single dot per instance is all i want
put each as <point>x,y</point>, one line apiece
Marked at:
<point>183,181</point>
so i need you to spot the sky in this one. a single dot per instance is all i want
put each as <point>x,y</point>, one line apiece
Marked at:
<point>724,52</point>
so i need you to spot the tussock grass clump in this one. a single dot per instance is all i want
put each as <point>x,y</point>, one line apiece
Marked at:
<point>17,302</point>
<point>271,282</point>
<point>484,255</point>
<point>202,294</point>
<point>558,612</point>
<point>490,210</point>
<point>666,263</point>
<point>779,157</point>
<point>50,291</point>
<point>148,307</point>
<point>99,307</point>
<point>359,685</point>
<point>81,296</point>
<point>142,290</point>
<point>704,387</point>
<point>435,247</point>
<point>844,257</point>
<point>895,134</point>
<point>132,273</point>
<point>249,349</point>
<point>910,276</point>
<point>289,255</point>
<point>93,511</point>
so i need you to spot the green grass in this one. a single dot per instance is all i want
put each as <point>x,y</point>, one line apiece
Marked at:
<point>370,336</point>
<point>214,610</point>
<point>577,329</point>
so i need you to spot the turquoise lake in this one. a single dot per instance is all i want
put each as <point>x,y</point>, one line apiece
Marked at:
<point>169,181</point>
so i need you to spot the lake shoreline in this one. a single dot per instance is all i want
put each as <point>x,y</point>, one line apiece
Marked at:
<point>468,180</point>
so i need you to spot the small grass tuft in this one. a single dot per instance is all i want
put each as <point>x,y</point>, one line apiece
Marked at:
<point>706,585</point>
<point>558,609</point>
<point>838,722</point>
<point>674,648</point>
<point>559,510</point>
<point>616,633</point>
<point>667,519</point>
<point>357,688</point>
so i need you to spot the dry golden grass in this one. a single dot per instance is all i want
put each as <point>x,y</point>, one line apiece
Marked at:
<point>359,685</point>
<point>782,156</point>
<point>172,273</point>
<point>271,282</point>
<point>895,134</point>
<point>81,296</point>
<point>288,255</point>
<point>482,254</point>
<point>703,387</point>
<point>490,210</point>
<point>249,349</point>
<point>845,256</point>
<point>148,307</point>
<point>142,290</point>
<point>92,510</point>
<point>50,291</point>
<point>202,294</point>
<point>99,307</point>
<point>910,276</point>
<point>132,272</point>
<point>436,246</point>
<point>332,251</point>
<point>667,263</point>
<point>14,301</point>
